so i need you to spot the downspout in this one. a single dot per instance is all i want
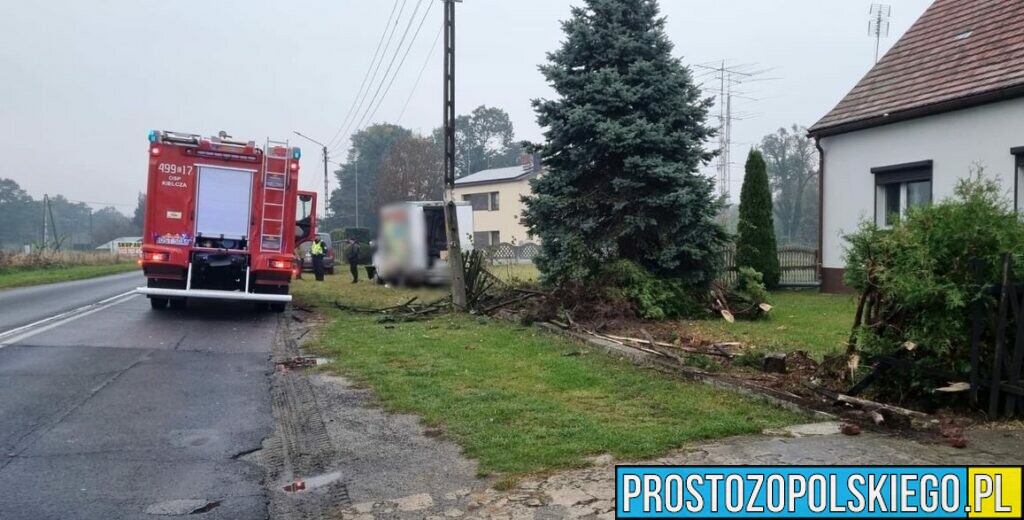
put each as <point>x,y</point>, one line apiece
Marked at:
<point>821,211</point>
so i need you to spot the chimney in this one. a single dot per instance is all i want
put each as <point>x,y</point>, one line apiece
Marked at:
<point>530,163</point>
<point>526,161</point>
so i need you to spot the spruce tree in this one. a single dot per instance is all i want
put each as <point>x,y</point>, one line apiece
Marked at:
<point>624,142</point>
<point>755,242</point>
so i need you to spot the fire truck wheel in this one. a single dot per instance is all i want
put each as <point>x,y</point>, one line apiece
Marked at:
<point>179,303</point>
<point>277,307</point>
<point>262,306</point>
<point>158,303</point>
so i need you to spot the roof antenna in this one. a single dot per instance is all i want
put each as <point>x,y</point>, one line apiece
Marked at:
<point>878,26</point>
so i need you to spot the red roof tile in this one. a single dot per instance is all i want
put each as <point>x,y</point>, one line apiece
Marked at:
<point>957,50</point>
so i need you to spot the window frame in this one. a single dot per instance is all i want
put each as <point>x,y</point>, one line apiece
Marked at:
<point>901,175</point>
<point>1018,171</point>
<point>489,200</point>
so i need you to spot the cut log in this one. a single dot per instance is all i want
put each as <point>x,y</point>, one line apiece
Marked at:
<point>872,405</point>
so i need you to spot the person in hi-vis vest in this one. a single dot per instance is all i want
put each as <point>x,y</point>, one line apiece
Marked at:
<point>316,252</point>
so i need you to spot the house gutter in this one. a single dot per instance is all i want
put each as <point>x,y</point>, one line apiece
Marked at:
<point>821,210</point>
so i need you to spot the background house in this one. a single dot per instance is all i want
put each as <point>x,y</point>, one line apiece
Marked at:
<point>947,98</point>
<point>496,196</point>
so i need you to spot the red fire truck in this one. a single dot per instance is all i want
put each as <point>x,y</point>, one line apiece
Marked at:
<point>223,218</point>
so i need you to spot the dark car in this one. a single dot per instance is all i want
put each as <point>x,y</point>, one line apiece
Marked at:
<point>307,259</point>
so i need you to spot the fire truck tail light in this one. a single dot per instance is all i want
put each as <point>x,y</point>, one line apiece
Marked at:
<point>281,264</point>
<point>154,151</point>
<point>295,166</point>
<point>157,257</point>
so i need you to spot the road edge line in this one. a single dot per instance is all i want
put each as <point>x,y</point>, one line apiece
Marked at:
<point>24,332</point>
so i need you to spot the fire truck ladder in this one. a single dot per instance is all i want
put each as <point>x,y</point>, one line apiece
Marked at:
<point>275,179</point>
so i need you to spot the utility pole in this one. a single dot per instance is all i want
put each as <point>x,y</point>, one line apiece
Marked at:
<point>327,192</point>
<point>357,189</point>
<point>450,213</point>
<point>327,159</point>
<point>46,230</point>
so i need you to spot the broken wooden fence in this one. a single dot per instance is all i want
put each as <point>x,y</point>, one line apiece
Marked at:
<point>1000,368</point>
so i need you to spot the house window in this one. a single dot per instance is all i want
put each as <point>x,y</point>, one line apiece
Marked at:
<point>899,188</point>
<point>486,238</point>
<point>482,201</point>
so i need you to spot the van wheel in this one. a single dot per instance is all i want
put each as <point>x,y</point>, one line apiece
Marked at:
<point>158,303</point>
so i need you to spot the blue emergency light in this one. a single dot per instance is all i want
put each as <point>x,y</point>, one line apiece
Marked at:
<point>153,136</point>
<point>296,154</point>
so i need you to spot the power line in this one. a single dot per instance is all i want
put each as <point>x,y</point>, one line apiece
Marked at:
<point>398,49</point>
<point>416,85</point>
<point>366,76</point>
<point>373,78</point>
<point>108,204</point>
<point>401,64</point>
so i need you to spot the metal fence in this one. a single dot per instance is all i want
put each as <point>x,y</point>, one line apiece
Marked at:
<point>799,266</point>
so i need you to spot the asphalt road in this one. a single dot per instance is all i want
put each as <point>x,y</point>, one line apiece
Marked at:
<point>124,412</point>
<point>29,304</point>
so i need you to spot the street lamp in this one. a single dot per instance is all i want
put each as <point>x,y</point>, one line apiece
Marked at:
<point>327,193</point>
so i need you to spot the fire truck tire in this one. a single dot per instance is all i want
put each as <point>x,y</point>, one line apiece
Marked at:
<point>158,303</point>
<point>262,306</point>
<point>277,307</point>
<point>179,303</point>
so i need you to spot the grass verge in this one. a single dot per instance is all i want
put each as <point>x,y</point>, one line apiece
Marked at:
<point>517,399</point>
<point>23,277</point>
<point>801,320</point>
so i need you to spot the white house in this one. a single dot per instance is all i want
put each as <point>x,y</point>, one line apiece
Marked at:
<point>496,196</point>
<point>947,98</point>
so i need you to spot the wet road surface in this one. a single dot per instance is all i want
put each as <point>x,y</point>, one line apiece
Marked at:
<point>126,412</point>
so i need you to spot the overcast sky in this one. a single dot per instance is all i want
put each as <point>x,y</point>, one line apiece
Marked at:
<point>84,81</point>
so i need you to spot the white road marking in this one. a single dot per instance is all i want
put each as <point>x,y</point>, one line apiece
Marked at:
<point>24,332</point>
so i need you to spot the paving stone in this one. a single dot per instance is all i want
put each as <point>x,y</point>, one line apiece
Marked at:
<point>414,502</point>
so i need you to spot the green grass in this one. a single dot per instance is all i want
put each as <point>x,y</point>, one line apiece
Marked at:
<point>22,277</point>
<point>517,399</point>
<point>800,320</point>
<point>515,272</point>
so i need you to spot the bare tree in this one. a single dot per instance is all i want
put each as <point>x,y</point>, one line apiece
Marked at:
<point>792,164</point>
<point>412,172</point>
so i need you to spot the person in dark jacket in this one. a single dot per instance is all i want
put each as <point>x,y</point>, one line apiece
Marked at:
<point>353,259</point>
